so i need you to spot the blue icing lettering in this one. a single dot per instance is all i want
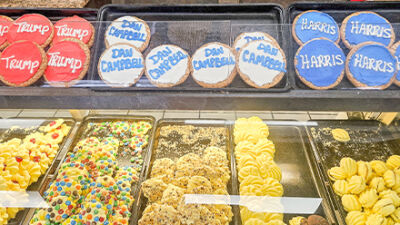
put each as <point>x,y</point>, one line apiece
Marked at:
<point>368,27</point>
<point>263,60</point>
<point>248,39</point>
<point>320,62</point>
<point>397,55</point>
<point>121,52</point>
<point>160,55</point>
<point>213,62</point>
<point>127,34</point>
<point>131,24</point>
<point>169,61</point>
<point>120,64</point>
<point>268,49</point>
<point>313,24</point>
<point>213,51</point>
<point>373,65</point>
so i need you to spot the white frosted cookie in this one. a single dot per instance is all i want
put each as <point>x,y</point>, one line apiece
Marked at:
<point>167,65</point>
<point>128,30</point>
<point>247,37</point>
<point>261,64</point>
<point>121,65</point>
<point>213,65</point>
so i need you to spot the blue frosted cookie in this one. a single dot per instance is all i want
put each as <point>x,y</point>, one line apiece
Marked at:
<point>371,65</point>
<point>366,26</point>
<point>320,64</point>
<point>314,24</point>
<point>396,49</point>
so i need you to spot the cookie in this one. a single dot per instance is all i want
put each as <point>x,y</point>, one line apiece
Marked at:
<point>121,65</point>
<point>5,23</point>
<point>320,64</point>
<point>366,26</point>
<point>129,30</point>
<point>68,62</point>
<point>74,27</point>
<point>22,63</point>
<point>213,65</point>
<point>167,66</point>
<point>31,27</point>
<point>396,49</point>
<point>314,24</point>
<point>261,64</point>
<point>371,65</point>
<point>247,37</point>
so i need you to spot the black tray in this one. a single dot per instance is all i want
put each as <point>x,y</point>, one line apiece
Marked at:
<point>370,140</point>
<point>338,11</point>
<point>222,23</point>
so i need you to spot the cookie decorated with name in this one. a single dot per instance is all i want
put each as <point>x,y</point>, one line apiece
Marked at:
<point>261,64</point>
<point>22,63</point>
<point>314,24</point>
<point>74,27</point>
<point>167,65</point>
<point>371,65</point>
<point>320,64</point>
<point>247,37</point>
<point>31,27</point>
<point>396,49</point>
<point>68,62</point>
<point>121,65</point>
<point>129,30</point>
<point>5,23</point>
<point>366,26</point>
<point>213,65</point>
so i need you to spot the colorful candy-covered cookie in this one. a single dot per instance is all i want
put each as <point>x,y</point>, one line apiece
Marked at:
<point>61,208</point>
<point>261,64</point>
<point>396,49</point>
<point>320,67</point>
<point>140,127</point>
<point>5,23</point>
<point>247,37</point>
<point>74,27</point>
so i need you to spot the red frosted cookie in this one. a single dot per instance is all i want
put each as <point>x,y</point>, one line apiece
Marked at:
<point>74,27</point>
<point>22,63</point>
<point>68,62</point>
<point>5,23</point>
<point>31,27</point>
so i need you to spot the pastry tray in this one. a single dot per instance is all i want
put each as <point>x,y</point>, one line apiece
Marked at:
<point>369,140</point>
<point>338,11</point>
<point>231,186</point>
<point>300,176</point>
<point>80,134</point>
<point>191,26</point>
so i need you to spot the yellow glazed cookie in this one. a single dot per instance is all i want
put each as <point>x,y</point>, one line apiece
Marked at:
<point>272,187</point>
<point>389,194</point>
<point>351,203</point>
<point>378,184</point>
<point>356,185</point>
<point>365,170</point>
<point>296,220</point>
<point>393,162</point>
<point>374,219</point>
<point>337,173</point>
<point>384,207</point>
<point>349,166</point>
<point>355,218</point>
<point>379,167</point>
<point>341,187</point>
<point>368,198</point>
<point>340,135</point>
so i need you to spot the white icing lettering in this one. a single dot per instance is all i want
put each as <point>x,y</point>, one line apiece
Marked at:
<point>66,31</point>
<point>60,61</point>
<point>3,30</point>
<point>370,30</point>
<point>15,64</point>
<point>31,28</point>
<point>321,27</point>
<point>378,65</point>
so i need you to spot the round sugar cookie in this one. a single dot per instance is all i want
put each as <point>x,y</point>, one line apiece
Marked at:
<point>396,49</point>
<point>247,37</point>
<point>314,24</point>
<point>31,27</point>
<point>167,65</point>
<point>366,26</point>
<point>129,30</point>
<point>371,65</point>
<point>121,65</point>
<point>74,27</point>
<point>5,23</point>
<point>320,64</point>
<point>213,65</point>
<point>261,64</point>
<point>22,63</point>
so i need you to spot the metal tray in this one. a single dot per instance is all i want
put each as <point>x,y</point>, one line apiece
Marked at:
<point>190,26</point>
<point>338,11</point>
<point>300,176</point>
<point>370,140</point>
<point>142,200</point>
<point>32,124</point>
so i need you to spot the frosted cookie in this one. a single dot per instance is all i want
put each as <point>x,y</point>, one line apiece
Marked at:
<point>31,27</point>
<point>5,23</point>
<point>121,65</point>
<point>74,27</point>
<point>68,62</point>
<point>314,24</point>
<point>167,65</point>
<point>396,49</point>
<point>371,65</point>
<point>22,63</point>
<point>247,37</point>
<point>213,65</point>
<point>261,64</point>
<point>366,26</point>
<point>128,30</point>
<point>320,64</point>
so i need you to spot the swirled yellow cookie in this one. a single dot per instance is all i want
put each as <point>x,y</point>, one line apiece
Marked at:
<point>349,166</point>
<point>247,160</point>
<point>275,222</point>
<point>341,187</point>
<point>365,170</point>
<point>296,220</point>
<point>356,184</point>
<point>199,185</point>
<point>251,180</point>
<point>374,219</point>
<point>395,216</point>
<point>264,146</point>
<point>390,178</point>
<point>253,122</point>
<point>254,221</point>
<point>389,194</point>
<point>384,207</point>
<point>355,218</point>
<point>378,184</point>
<point>246,214</point>
<point>340,135</point>
<point>393,162</point>
<point>248,171</point>
<point>270,169</point>
<point>351,203</point>
<point>368,198</point>
<point>272,187</point>
<point>379,167</point>
<point>153,189</point>
<point>172,195</point>
<point>242,148</point>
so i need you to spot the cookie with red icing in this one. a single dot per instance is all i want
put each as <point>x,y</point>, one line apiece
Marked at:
<point>5,23</point>
<point>31,27</point>
<point>74,27</point>
<point>68,62</point>
<point>22,63</point>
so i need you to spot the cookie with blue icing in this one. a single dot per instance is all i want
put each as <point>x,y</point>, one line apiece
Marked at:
<point>396,49</point>
<point>320,64</point>
<point>247,37</point>
<point>371,65</point>
<point>314,24</point>
<point>366,26</point>
<point>167,65</point>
